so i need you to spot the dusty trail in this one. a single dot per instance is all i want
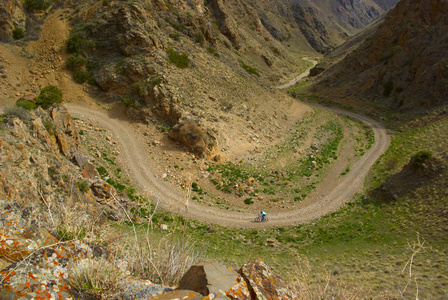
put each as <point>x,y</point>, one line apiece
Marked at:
<point>301,76</point>
<point>136,158</point>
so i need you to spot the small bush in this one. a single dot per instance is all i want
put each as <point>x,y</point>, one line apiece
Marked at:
<point>105,3</point>
<point>75,43</point>
<point>249,69</point>
<point>81,76</point>
<point>83,186</point>
<point>49,126</point>
<point>38,4</point>
<point>102,170</point>
<point>19,112</point>
<point>180,60</point>
<point>26,104</point>
<point>156,79</point>
<point>213,51</point>
<point>95,279</point>
<point>420,157</point>
<point>199,38</point>
<point>18,33</point>
<point>178,26</point>
<point>248,201</point>
<point>49,95</point>
<point>175,36</point>
<point>388,88</point>
<point>75,62</point>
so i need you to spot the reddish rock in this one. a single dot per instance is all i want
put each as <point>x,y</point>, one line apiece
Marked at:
<point>214,279</point>
<point>179,294</point>
<point>19,129</point>
<point>264,283</point>
<point>63,143</point>
<point>42,134</point>
<point>63,121</point>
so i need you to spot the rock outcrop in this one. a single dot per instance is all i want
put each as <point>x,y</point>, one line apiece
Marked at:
<point>211,280</point>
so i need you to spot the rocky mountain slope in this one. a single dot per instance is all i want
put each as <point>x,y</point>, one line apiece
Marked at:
<point>402,67</point>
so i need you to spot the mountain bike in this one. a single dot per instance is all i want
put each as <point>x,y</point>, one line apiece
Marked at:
<point>258,219</point>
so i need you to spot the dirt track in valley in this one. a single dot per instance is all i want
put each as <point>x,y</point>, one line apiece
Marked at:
<point>301,76</point>
<point>136,158</point>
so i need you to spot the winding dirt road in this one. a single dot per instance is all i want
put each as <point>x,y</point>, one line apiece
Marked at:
<point>301,76</point>
<point>136,159</point>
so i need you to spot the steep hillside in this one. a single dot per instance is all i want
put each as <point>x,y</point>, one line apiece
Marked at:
<point>327,23</point>
<point>402,67</point>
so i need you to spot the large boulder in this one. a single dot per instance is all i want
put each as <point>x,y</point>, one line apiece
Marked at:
<point>213,279</point>
<point>63,120</point>
<point>191,135</point>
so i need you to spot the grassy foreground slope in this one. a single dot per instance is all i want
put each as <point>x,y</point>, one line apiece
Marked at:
<point>368,243</point>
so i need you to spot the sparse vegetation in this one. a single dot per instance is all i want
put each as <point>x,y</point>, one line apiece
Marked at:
<point>420,157</point>
<point>249,69</point>
<point>179,59</point>
<point>213,51</point>
<point>26,104</point>
<point>388,88</point>
<point>83,186</point>
<point>17,33</point>
<point>76,43</point>
<point>48,96</point>
<point>38,4</point>
<point>19,112</point>
<point>75,62</point>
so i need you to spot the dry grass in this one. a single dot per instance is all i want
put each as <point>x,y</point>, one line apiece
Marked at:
<point>160,258</point>
<point>95,278</point>
<point>329,286</point>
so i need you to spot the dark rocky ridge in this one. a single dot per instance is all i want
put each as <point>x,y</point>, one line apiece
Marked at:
<point>404,63</point>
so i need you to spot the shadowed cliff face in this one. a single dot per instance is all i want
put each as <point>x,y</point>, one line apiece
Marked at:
<point>404,62</point>
<point>326,23</point>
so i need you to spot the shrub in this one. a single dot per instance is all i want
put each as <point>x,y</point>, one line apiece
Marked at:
<point>248,201</point>
<point>38,4</point>
<point>156,79</point>
<point>75,62</point>
<point>49,95</point>
<point>95,279</point>
<point>81,76</point>
<point>180,60</point>
<point>75,43</point>
<point>213,51</point>
<point>102,170</point>
<point>83,186</point>
<point>199,38</point>
<point>388,87</point>
<point>249,69</point>
<point>19,112</point>
<point>105,3</point>
<point>26,104</point>
<point>178,26</point>
<point>18,33</point>
<point>420,157</point>
<point>175,36</point>
<point>49,126</point>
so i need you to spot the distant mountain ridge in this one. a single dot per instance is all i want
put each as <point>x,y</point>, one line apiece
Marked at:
<point>404,63</point>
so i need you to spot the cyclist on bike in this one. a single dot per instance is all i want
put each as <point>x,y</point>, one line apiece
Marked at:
<point>262,215</point>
